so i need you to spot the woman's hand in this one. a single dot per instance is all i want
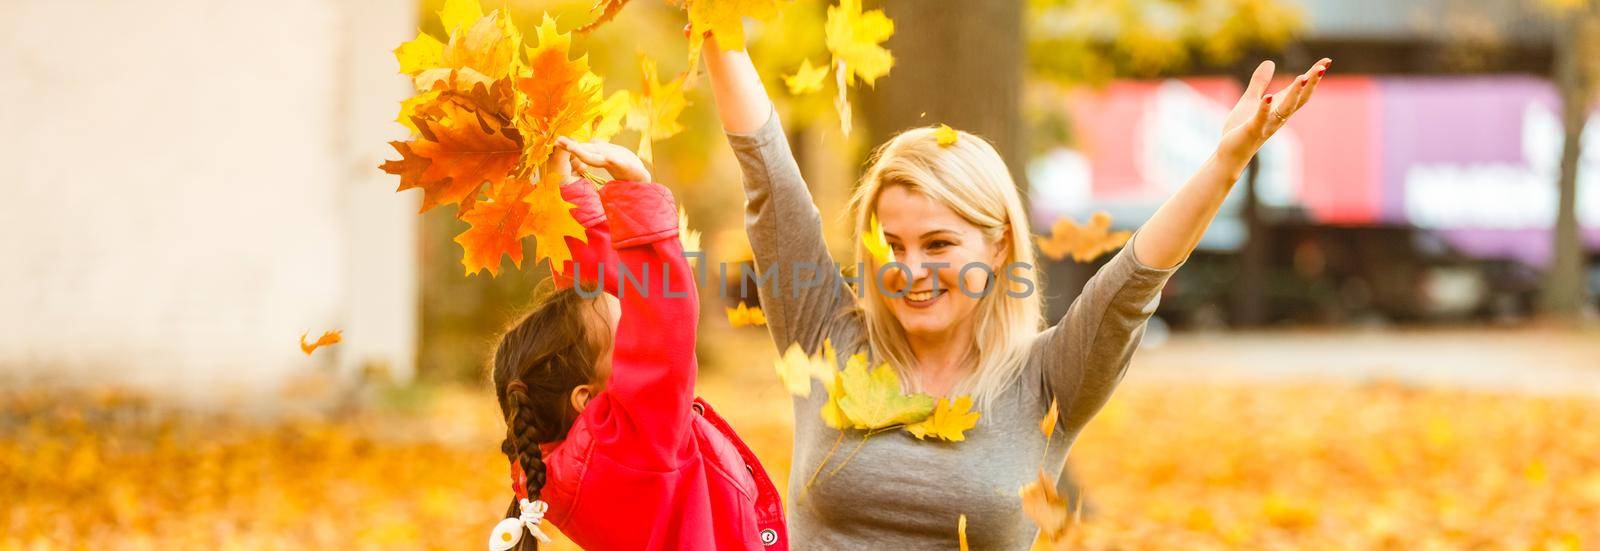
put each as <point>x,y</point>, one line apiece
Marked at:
<point>1258,115</point>
<point>619,161</point>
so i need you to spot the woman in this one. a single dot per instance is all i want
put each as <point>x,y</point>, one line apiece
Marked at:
<point>941,209</point>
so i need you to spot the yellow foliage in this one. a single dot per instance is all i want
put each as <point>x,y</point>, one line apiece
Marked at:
<point>949,421</point>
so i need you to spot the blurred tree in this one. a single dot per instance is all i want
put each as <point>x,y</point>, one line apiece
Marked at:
<point>1576,71</point>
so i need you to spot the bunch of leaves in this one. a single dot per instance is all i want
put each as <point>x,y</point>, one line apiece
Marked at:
<point>485,122</point>
<point>1083,242</point>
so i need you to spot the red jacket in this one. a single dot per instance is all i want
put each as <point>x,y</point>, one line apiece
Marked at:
<point>647,465</point>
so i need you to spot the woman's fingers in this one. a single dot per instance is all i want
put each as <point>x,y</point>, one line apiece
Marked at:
<point>1259,80</point>
<point>1318,70</point>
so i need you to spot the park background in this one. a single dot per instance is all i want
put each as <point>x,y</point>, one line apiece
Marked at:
<point>1387,340</point>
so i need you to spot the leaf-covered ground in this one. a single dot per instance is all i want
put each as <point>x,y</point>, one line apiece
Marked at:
<point>1167,465</point>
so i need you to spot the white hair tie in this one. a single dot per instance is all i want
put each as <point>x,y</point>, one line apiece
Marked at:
<point>508,532</point>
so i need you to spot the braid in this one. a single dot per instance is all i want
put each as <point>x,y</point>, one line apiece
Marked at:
<point>522,446</point>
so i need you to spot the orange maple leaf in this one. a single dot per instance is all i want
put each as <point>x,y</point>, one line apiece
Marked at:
<point>328,338</point>
<point>517,209</point>
<point>550,221</point>
<point>459,149</point>
<point>1084,242</point>
<point>562,97</point>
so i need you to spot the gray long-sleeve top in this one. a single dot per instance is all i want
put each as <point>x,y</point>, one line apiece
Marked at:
<point>898,492</point>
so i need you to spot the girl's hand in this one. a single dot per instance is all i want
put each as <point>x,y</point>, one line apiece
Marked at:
<point>1258,116</point>
<point>620,162</point>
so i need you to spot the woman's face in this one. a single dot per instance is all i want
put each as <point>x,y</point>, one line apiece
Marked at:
<point>936,244</point>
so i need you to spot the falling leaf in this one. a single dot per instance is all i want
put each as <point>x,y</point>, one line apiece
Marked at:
<point>796,369</point>
<point>806,79</point>
<point>1083,243</point>
<point>945,135</point>
<point>948,422</point>
<point>961,532</point>
<point>874,399</point>
<point>561,96</point>
<point>854,39</point>
<point>328,338</point>
<point>458,151</point>
<point>1048,424</point>
<point>656,108</point>
<point>690,239</point>
<point>1045,508</point>
<point>612,112</point>
<point>832,414</point>
<point>608,9</point>
<point>746,316</point>
<point>877,245</point>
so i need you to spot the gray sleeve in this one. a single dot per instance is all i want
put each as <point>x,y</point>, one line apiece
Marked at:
<point>1085,355</point>
<point>805,292</point>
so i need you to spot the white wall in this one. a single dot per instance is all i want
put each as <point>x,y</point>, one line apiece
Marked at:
<point>188,185</point>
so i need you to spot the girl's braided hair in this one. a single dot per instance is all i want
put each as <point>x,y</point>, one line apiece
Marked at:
<point>538,362</point>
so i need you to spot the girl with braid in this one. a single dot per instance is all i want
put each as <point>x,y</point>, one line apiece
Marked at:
<point>603,432</point>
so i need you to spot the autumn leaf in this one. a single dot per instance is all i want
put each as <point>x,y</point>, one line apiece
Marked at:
<point>961,532</point>
<point>876,243</point>
<point>724,19</point>
<point>945,135</point>
<point>854,39</point>
<point>479,53</point>
<point>458,151</point>
<point>746,316</point>
<point>806,79</point>
<point>456,14</point>
<point>1048,424</point>
<point>328,338</point>
<point>494,228</point>
<point>796,369</point>
<point>832,414</point>
<point>561,96</point>
<point>1042,505</point>
<point>874,399</point>
<point>948,422</point>
<point>612,113</point>
<point>420,54</point>
<point>690,239</point>
<point>550,221</point>
<point>656,108</point>
<point>1083,243</point>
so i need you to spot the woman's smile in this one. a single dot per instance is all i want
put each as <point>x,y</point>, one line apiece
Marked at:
<point>924,299</point>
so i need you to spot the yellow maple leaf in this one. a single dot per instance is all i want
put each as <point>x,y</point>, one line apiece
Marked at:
<point>877,245</point>
<point>796,369</point>
<point>1083,243</point>
<point>874,399</point>
<point>746,316</point>
<point>421,53</point>
<point>1048,424</point>
<point>948,422</point>
<point>855,40</point>
<point>479,53</point>
<point>832,414</point>
<point>550,221</point>
<point>806,79</point>
<point>328,338</point>
<point>612,112</point>
<point>656,108</point>
<point>724,19</point>
<point>456,14</point>
<point>945,135</point>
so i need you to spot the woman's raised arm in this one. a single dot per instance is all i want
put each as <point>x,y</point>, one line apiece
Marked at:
<point>803,291</point>
<point>1175,229</point>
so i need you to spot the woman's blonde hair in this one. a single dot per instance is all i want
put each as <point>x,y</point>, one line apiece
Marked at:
<point>970,179</point>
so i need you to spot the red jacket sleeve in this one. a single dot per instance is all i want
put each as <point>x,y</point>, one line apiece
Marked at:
<point>593,259</point>
<point>653,361</point>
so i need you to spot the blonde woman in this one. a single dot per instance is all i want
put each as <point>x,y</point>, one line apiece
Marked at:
<point>957,331</point>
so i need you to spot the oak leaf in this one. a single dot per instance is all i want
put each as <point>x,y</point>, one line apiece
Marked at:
<point>948,422</point>
<point>1084,242</point>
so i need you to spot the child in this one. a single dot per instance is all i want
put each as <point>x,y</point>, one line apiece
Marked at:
<point>604,433</point>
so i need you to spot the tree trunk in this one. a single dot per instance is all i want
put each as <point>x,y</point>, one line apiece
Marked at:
<point>957,62</point>
<point>1564,285</point>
